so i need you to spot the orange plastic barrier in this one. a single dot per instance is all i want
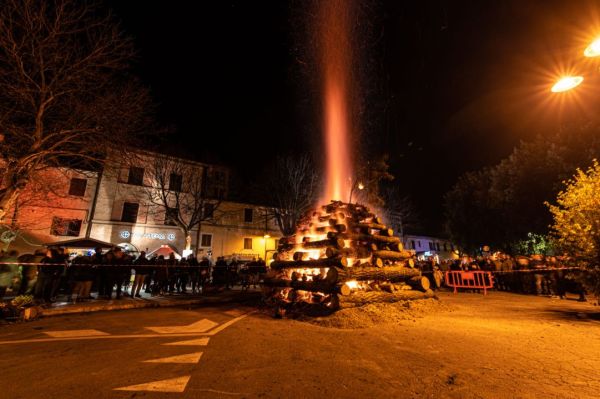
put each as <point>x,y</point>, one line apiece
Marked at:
<point>472,280</point>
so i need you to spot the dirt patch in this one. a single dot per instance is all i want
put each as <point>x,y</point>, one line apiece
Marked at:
<point>373,314</point>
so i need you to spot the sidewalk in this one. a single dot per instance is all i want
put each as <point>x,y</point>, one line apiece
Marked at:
<point>229,296</point>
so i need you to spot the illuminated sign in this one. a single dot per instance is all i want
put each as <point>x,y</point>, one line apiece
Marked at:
<point>125,234</point>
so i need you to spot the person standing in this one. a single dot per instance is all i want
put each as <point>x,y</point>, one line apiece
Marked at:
<point>140,265</point>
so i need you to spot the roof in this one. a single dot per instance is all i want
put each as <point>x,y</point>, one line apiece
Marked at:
<point>80,243</point>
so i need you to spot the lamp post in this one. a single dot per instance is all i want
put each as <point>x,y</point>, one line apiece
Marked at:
<point>566,83</point>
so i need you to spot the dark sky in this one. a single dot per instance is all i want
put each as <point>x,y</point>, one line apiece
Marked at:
<point>448,86</point>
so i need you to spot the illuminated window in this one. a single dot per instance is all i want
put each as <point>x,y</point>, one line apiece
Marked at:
<point>136,176</point>
<point>130,212</point>
<point>65,227</point>
<point>175,182</point>
<point>247,243</point>
<point>206,240</point>
<point>248,215</point>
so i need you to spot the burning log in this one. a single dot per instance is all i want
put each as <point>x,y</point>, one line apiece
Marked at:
<point>364,237</point>
<point>389,273</point>
<point>309,264</point>
<point>331,242</point>
<point>420,283</point>
<point>312,286</point>
<point>392,255</point>
<point>357,252</point>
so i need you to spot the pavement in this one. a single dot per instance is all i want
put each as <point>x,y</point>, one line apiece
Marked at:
<point>497,346</point>
<point>63,307</point>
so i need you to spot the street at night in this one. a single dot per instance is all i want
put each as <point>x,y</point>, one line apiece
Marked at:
<point>501,346</point>
<point>299,199</point>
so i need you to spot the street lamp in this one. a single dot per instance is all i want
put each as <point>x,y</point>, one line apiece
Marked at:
<point>567,83</point>
<point>593,50</point>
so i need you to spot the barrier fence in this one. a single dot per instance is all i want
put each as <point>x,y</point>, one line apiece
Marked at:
<point>470,280</point>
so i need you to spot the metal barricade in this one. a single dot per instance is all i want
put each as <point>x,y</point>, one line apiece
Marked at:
<point>471,280</point>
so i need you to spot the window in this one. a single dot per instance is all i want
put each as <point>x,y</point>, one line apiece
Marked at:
<point>77,187</point>
<point>136,176</point>
<point>175,181</point>
<point>206,240</point>
<point>65,227</point>
<point>419,244</point>
<point>248,213</point>
<point>247,243</point>
<point>130,212</point>
<point>170,216</point>
<point>209,211</point>
<point>445,247</point>
<point>431,247</point>
<point>412,244</point>
<point>437,246</point>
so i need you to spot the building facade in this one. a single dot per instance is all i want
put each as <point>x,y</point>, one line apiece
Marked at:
<point>431,247</point>
<point>118,206</point>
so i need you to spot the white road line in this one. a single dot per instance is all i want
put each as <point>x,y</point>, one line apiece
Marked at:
<point>191,342</point>
<point>171,385</point>
<point>197,327</point>
<point>185,358</point>
<point>130,336</point>
<point>75,333</point>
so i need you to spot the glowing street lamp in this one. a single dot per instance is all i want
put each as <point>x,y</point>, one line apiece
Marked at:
<point>566,83</point>
<point>593,50</point>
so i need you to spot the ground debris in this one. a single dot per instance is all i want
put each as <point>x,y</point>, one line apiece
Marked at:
<point>373,314</point>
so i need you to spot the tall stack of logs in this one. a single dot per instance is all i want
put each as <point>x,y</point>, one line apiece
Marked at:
<point>340,249</point>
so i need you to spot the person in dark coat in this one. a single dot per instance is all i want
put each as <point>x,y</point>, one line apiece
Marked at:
<point>140,265</point>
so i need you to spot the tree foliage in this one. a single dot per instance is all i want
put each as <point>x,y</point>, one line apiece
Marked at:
<point>503,204</point>
<point>66,97</point>
<point>576,216</point>
<point>576,224</point>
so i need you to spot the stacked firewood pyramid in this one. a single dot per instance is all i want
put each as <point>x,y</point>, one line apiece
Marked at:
<point>340,249</point>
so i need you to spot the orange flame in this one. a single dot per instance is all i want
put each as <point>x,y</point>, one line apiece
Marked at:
<point>335,58</point>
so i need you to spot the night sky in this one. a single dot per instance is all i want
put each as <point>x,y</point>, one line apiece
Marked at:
<point>448,86</point>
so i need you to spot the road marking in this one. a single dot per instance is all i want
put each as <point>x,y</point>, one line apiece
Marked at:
<point>186,358</point>
<point>75,333</point>
<point>197,327</point>
<point>129,336</point>
<point>191,342</point>
<point>171,385</point>
<point>227,324</point>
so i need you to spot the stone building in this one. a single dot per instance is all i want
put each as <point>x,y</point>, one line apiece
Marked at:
<point>113,206</point>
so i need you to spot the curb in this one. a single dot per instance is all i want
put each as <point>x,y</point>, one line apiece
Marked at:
<point>147,303</point>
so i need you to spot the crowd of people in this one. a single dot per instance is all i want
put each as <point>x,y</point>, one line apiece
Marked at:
<point>46,274</point>
<point>536,275</point>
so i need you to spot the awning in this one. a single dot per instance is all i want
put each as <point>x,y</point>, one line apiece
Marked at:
<point>164,250</point>
<point>80,243</point>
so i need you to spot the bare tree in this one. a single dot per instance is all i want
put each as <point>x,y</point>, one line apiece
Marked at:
<point>66,98</point>
<point>366,185</point>
<point>399,210</point>
<point>293,190</point>
<point>185,193</point>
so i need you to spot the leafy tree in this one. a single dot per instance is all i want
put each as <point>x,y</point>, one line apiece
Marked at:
<point>502,205</point>
<point>577,221</point>
<point>66,97</point>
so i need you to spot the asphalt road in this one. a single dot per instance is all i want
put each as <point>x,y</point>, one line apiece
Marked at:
<point>500,346</point>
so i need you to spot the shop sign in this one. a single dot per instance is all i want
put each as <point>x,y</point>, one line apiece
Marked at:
<point>126,234</point>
